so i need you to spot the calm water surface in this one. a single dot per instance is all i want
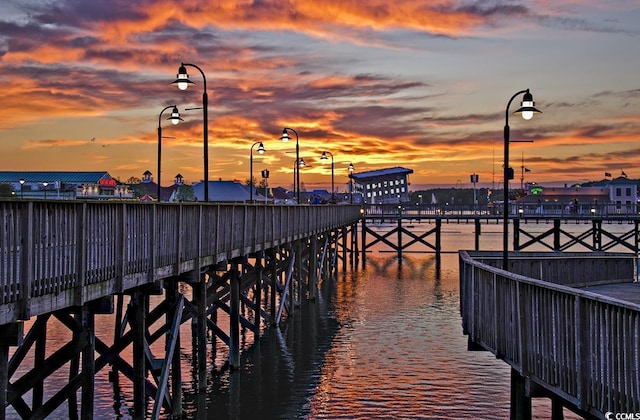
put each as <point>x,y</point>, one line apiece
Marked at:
<point>383,342</point>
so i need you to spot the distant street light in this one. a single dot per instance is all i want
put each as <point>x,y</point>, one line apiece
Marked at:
<point>296,167</point>
<point>474,179</point>
<point>45,184</point>
<point>183,82</point>
<point>261,150</point>
<point>175,119</point>
<point>21,181</point>
<point>324,157</point>
<point>527,109</point>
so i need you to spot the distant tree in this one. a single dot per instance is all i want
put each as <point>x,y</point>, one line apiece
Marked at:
<point>249,182</point>
<point>6,190</point>
<point>133,181</point>
<point>185,193</point>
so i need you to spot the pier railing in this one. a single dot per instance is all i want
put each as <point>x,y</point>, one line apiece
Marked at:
<point>56,254</point>
<point>580,346</point>
<point>516,210</point>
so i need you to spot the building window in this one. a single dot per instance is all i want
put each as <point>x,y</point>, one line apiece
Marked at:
<point>628,191</point>
<point>618,191</point>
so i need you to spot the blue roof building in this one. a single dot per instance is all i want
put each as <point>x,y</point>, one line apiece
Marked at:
<point>226,192</point>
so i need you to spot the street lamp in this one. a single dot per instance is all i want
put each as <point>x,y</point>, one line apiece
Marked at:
<point>21,181</point>
<point>324,157</point>
<point>527,109</point>
<point>45,184</point>
<point>183,82</point>
<point>351,169</point>
<point>261,150</point>
<point>296,168</point>
<point>175,119</point>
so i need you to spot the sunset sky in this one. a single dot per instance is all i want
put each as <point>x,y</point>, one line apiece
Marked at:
<point>379,83</point>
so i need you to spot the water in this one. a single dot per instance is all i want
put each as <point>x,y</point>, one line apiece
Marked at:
<point>383,342</point>
<point>390,346</point>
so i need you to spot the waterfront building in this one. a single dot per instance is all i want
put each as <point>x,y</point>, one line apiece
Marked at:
<point>65,185</point>
<point>227,192</point>
<point>390,185</point>
<point>620,193</point>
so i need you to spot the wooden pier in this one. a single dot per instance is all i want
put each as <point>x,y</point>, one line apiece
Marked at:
<point>398,229</point>
<point>74,261</point>
<point>567,323</point>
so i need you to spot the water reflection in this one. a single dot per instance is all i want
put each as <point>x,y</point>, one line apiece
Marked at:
<point>385,342</point>
<point>382,342</point>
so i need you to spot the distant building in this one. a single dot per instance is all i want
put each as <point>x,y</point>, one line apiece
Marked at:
<point>383,186</point>
<point>225,192</point>
<point>147,187</point>
<point>65,185</point>
<point>621,192</point>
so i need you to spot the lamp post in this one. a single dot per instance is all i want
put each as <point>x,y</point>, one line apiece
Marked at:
<point>45,184</point>
<point>183,82</point>
<point>300,164</point>
<point>351,169</point>
<point>324,157</point>
<point>175,119</point>
<point>21,181</point>
<point>261,150</point>
<point>296,168</point>
<point>527,110</point>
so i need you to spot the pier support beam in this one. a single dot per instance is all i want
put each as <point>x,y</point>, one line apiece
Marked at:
<point>520,402</point>
<point>234,316</point>
<point>138,324</point>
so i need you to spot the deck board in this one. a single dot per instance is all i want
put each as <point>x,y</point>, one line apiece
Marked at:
<point>629,292</point>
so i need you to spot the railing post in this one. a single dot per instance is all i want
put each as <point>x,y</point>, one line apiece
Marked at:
<point>121,243</point>
<point>26,268</point>
<point>582,355</point>
<point>81,264</point>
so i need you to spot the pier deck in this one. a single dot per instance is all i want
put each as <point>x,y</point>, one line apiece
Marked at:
<point>628,292</point>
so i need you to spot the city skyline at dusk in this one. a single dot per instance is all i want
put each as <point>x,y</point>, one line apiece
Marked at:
<point>379,84</point>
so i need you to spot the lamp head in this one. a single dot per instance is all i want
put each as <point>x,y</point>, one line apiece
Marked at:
<point>21,181</point>
<point>527,108</point>
<point>182,78</point>
<point>351,167</point>
<point>261,148</point>
<point>285,135</point>
<point>175,116</point>
<point>301,163</point>
<point>324,156</point>
<point>45,183</point>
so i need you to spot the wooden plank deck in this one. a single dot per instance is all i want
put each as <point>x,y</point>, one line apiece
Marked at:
<point>628,292</point>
